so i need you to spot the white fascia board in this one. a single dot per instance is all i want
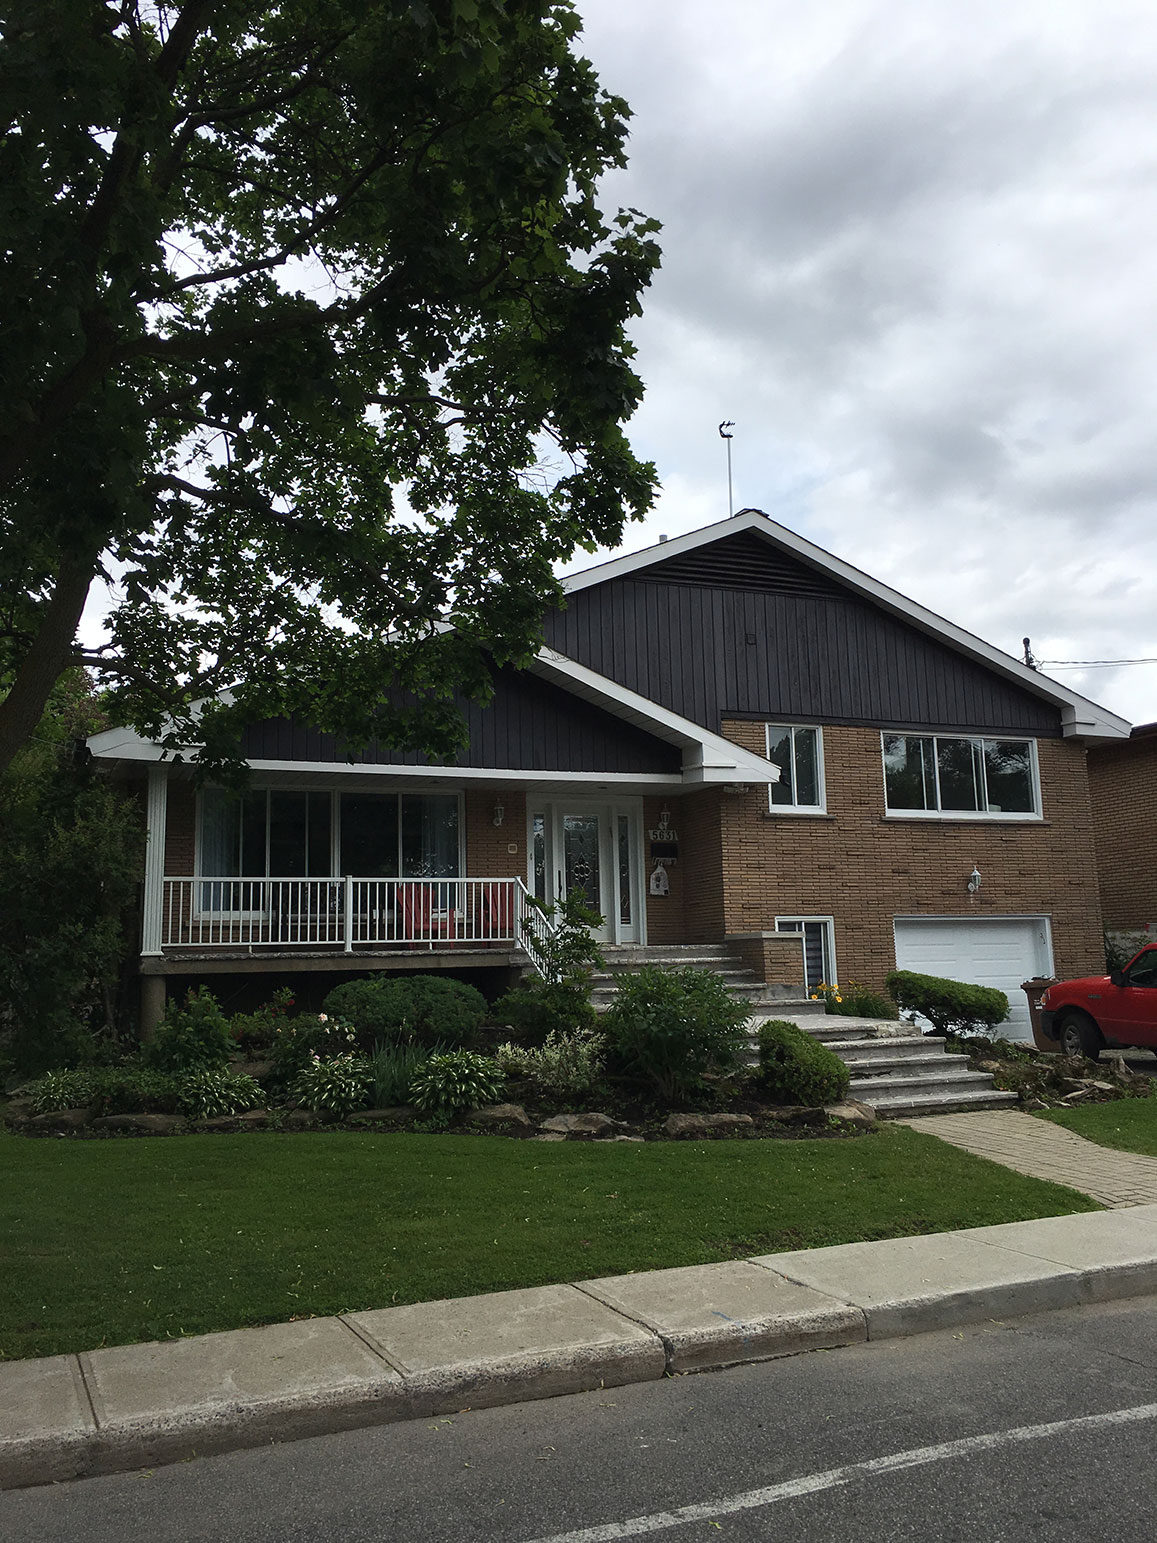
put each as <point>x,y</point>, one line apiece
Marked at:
<point>707,757</point>
<point>1080,717</point>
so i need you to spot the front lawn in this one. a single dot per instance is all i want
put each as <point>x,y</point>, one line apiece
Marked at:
<point>1130,1124</point>
<point>108,1242</point>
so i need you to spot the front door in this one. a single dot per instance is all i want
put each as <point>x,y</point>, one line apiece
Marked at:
<point>593,848</point>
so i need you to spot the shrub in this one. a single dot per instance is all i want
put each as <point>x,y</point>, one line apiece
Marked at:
<point>558,1000</point>
<point>191,1035</point>
<point>61,1090</point>
<point>392,1067</point>
<point>1120,948</point>
<point>854,1001</point>
<point>666,1028</point>
<point>564,1064</point>
<point>256,1031</point>
<point>794,1068</point>
<point>422,1008</point>
<point>205,1094</point>
<point>949,1005</point>
<point>106,1090</point>
<point>336,1086</point>
<point>458,1080</point>
<point>298,1041</point>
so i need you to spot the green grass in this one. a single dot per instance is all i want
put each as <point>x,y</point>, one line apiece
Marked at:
<point>108,1242</point>
<point>1130,1124</point>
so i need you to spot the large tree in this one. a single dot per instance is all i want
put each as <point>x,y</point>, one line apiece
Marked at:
<point>313,344</point>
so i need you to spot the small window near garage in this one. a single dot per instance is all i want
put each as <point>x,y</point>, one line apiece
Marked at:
<point>926,774</point>
<point>818,947</point>
<point>798,752</point>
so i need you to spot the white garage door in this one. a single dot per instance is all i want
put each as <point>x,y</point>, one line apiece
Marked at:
<point>1001,952</point>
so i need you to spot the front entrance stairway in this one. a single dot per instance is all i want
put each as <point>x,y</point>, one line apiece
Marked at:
<point>895,1071</point>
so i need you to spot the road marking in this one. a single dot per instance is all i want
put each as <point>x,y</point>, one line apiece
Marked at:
<point>833,1478</point>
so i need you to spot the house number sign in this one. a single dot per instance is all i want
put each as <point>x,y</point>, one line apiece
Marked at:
<point>664,841</point>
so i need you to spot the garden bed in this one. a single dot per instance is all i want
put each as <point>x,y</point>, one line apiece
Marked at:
<point>1045,1080</point>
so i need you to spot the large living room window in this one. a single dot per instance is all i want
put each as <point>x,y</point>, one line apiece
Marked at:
<point>798,752</point>
<point>940,774</point>
<point>286,833</point>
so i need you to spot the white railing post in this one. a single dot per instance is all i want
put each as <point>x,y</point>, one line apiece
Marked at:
<point>153,898</point>
<point>348,930</point>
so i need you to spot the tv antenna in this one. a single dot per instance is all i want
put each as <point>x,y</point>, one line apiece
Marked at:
<point>724,435</point>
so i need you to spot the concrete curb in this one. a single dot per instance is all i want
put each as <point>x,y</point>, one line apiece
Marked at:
<point>137,1406</point>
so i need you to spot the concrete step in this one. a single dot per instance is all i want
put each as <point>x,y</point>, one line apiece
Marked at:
<point>923,1066</point>
<point>961,1102</point>
<point>952,1072</point>
<point>861,1048</point>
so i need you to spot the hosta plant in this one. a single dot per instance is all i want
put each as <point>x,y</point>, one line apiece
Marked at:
<point>459,1080</point>
<point>62,1090</point>
<point>336,1086</point>
<point>206,1094</point>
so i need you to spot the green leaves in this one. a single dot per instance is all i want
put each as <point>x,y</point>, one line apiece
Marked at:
<point>293,297</point>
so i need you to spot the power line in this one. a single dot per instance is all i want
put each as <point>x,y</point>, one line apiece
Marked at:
<point>1079,664</point>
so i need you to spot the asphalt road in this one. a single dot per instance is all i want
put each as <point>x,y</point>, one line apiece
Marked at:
<point>942,1435</point>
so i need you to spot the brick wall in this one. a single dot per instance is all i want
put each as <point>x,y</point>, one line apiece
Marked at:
<point>862,870</point>
<point>487,845</point>
<point>1123,783</point>
<point>180,828</point>
<point>693,910</point>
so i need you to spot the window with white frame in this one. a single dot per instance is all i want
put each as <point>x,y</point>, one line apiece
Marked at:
<point>950,775</point>
<point>797,750</point>
<point>288,833</point>
<point>819,954</point>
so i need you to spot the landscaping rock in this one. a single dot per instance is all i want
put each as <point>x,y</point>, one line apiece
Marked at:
<point>296,1119</point>
<point>852,1112</point>
<point>798,1114</point>
<point>18,1109</point>
<point>612,1138</point>
<point>57,1121</point>
<point>684,1125</point>
<point>254,1119</point>
<point>397,1114</point>
<point>498,1115</point>
<point>218,1122</point>
<point>141,1124</point>
<point>581,1124</point>
<point>551,1135</point>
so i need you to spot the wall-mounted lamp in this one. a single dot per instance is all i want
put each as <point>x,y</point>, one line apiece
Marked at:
<point>974,881</point>
<point>499,814</point>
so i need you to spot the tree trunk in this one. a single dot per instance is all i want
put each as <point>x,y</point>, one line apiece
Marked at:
<point>45,662</point>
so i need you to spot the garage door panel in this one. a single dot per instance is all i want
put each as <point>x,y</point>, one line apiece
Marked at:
<point>1002,953</point>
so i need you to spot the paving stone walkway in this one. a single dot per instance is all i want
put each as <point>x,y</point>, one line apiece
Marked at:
<point>1043,1150</point>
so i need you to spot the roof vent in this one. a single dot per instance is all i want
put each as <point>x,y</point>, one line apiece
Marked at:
<point>661,540</point>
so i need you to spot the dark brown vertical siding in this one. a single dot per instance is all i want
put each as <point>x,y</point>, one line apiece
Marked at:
<point>826,657</point>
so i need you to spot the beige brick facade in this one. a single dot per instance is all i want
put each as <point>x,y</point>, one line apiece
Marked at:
<point>1123,783</point>
<point>863,870</point>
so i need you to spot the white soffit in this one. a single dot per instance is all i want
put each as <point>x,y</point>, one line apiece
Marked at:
<point>1080,717</point>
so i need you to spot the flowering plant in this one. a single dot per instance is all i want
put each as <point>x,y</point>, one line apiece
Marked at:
<point>335,1086</point>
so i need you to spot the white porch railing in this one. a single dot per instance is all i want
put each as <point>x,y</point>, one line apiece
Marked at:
<point>345,913</point>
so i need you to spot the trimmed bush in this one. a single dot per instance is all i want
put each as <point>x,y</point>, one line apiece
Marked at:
<point>191,1035</point>
<point>424,1009</point>
<point>951,1006</point>
<point>257,1031</point>
<point>337,1086</point>
<point>205,1094</point>
<point>451,1083</point>
<point>794,1068</point>
<point>667,1028</point>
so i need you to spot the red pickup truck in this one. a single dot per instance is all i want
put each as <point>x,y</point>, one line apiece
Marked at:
<point>1117,1009</point>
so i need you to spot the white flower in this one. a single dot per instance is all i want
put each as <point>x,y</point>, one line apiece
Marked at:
<point>323,1017</point>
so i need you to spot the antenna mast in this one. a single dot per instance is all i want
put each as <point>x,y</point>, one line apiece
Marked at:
<point>724,435</point>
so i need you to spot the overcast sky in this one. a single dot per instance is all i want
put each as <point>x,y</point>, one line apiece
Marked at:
<point>909,250</point>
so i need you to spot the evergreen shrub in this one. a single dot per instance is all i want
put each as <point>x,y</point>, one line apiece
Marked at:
<point>422,1009</point>
<point>794,1068</point>
<point>951,1006</point>
<point>667,1028</point>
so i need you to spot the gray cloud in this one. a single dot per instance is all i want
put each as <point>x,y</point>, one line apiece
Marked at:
<point>909,250</point>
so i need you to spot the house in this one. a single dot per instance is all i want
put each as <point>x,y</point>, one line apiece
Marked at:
<point>732,738</point>
<point>1123,784</point>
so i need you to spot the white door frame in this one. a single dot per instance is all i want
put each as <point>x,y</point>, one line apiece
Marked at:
<point>609,809</point>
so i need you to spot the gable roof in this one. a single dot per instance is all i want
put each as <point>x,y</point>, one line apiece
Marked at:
<point>750,550</point>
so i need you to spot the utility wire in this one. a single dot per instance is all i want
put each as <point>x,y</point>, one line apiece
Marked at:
<point>1077,664</point>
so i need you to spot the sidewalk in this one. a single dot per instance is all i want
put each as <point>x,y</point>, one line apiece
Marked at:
<point>136,1406</point>
<point>1043,1150</point>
